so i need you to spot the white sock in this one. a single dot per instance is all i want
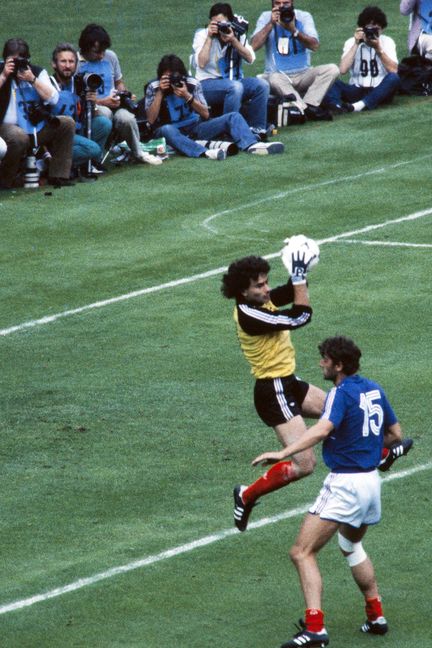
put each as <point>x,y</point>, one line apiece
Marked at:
<point>358,106</point>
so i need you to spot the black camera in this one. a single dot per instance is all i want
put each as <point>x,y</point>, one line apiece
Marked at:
<point>239,26</point>
<point>371,33</point>
<point>287,14</point>
<point>224,26</point>
<point>37,113</point>
<point>87,82</point>
<point>177,79</point>
<point>126,101</point>
<point>22,63</point>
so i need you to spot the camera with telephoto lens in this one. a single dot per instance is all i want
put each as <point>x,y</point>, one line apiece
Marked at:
<point>37,113</point>
<point>87,82</point>
<point>371,33</point>
<point>126,101</point>
<point>224,26</point>
<point>177,79</point>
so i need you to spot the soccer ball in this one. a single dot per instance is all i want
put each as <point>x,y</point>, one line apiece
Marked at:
<point>299,246</point>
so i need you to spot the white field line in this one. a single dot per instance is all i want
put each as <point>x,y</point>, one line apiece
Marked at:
<point>191,279</point>
<point>177,551</point>
<point>388,243</point>
<point>311,187</point>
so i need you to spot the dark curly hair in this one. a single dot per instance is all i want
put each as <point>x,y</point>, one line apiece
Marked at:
<point>240,273</point>
<point>92,34</point>
<point>372,14</point>
<point>171,63</point>
<point>341,349</point>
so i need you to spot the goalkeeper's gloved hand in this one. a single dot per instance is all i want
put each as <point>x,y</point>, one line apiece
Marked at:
<point>299,268</point>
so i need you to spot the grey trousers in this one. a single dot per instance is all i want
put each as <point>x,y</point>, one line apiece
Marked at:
<point>309,87</point>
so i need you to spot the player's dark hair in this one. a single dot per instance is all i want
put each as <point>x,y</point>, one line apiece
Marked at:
<point>240,273</point>
<point>372,15</point>
<point>343,350</point>
<point>222,8</point>
<point>171,63</point>
<point>92,34</point>
<point>16,46</point>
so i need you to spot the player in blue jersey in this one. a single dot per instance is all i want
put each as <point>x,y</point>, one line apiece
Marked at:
<point>357,421</point>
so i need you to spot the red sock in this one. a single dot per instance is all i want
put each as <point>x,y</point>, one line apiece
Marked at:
<point>276,477</point>
<point>385,452</point>
<point>373,608</point>
<point>314,620</point>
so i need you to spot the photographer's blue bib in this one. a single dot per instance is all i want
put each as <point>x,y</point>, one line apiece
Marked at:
<point>180,114</point>
<point>288,53</point>
<point>26,95</point>
<point>104,69</point>
<point>425,13</point>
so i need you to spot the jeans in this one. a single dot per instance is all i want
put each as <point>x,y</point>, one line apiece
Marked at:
<point>85,149</point>
<point>372,97</point>
<point>248,96</point>
<point>231,124</point>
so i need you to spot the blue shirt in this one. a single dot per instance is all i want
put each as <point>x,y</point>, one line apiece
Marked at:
<point>360,412</point>
<point>283,53</point>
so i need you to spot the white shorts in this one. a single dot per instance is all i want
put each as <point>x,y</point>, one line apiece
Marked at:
<point>350,498</point>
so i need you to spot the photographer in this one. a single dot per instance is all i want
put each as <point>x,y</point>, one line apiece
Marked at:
<point>370,57</point>
<point>289,36</point>
<point>113,99</point>
<point>219,52</point>
<point>74,101</point>
<point>26,95</point>
<point>177,110</point>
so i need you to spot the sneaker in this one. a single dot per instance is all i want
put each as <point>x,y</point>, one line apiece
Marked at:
<point>315,113</point>
<point>396,450</point>
<point>348,107</point>
<point>215,154</point>
<point>241,510</point>
<point>264,148</point>
<point>378,627</point>
<point>306,638</point>
<point>147,158</point>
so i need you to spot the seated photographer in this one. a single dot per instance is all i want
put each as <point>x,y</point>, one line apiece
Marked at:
<point>78,101</point>
<point>289,36</point>
<point>177,110</point>
<point>370,57</point>
<point>26,95</point>
<point>112,97</point>
<point>219,51</point>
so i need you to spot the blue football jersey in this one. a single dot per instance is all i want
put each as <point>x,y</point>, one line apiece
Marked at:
<point>360,412</point>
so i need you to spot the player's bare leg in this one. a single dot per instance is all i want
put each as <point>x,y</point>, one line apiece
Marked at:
<point>364,575</point>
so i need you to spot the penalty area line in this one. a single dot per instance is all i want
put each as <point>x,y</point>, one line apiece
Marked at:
<point>177,551</point>
<point>48,319</point>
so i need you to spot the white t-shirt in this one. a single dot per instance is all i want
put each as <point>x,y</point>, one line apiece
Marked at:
<point>217,53</point>
<point>367,70</point>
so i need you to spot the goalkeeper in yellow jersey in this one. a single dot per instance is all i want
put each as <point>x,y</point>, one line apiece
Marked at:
<point>281,399</point>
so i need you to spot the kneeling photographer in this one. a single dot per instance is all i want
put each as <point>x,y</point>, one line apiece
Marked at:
<point>370,58</point>
<point>26,96</point>
<point>177,110</point>
<point>77,98</point>
<point>112,99</point>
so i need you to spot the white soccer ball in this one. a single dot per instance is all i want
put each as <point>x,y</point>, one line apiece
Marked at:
<point>300,245</point>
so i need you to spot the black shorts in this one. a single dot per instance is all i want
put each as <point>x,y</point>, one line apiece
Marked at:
<point>277,400</point>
